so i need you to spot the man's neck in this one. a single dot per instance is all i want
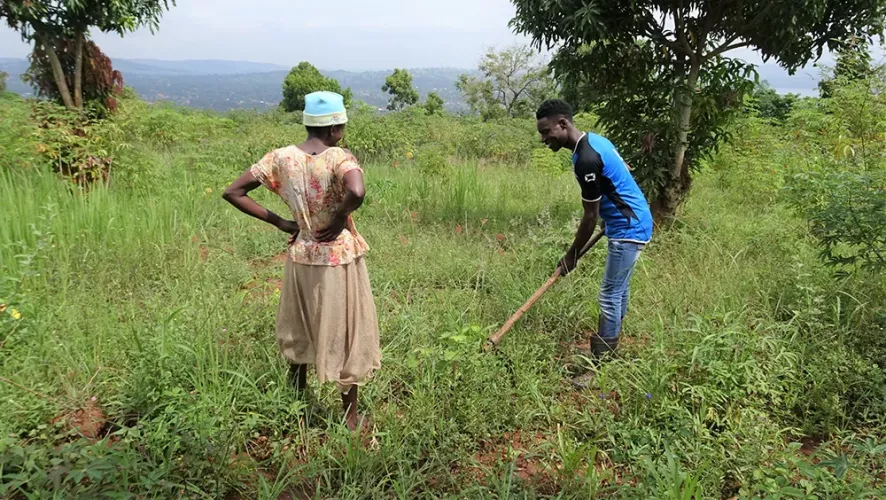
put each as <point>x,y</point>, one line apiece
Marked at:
<point>574,136</point>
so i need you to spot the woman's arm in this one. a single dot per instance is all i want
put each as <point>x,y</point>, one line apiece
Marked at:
<point>236,194</point>
<point>355,191</point>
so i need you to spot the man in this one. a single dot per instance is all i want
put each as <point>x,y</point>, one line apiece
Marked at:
<point>608,191</point>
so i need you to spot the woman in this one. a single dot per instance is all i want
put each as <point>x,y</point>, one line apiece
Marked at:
<point>326,315</point>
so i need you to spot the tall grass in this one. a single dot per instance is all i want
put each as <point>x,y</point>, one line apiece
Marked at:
<point>154,297</point>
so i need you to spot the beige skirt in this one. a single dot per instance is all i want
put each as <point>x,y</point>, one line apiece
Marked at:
<point>327,318</point>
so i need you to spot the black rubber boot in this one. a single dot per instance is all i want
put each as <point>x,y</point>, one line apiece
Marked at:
<point>603,348</point>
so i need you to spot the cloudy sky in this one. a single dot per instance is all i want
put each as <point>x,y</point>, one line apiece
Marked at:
<point>345,34</point>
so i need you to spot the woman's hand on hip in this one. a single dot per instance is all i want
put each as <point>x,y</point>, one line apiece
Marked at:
<point>288,226</point>
<point>331,232</point>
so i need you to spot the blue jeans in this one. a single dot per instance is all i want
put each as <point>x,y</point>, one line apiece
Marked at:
<point>620,260</point>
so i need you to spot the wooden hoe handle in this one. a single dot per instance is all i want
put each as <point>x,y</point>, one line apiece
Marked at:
<point>495,338</point>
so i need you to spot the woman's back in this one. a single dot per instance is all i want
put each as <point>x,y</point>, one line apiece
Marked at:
<point>312,186</point>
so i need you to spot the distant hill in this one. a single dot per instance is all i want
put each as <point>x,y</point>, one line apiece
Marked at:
<point>198,67</point>
<point>224,85</point>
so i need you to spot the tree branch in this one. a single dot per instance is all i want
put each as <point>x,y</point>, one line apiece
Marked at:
<point>726,47</point>
<point>655,31</point>
<point>680,32</point>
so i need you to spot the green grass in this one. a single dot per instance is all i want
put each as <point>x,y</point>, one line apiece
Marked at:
<point>156,298</point>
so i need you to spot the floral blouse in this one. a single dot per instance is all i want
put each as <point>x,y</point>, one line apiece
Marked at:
<point>313,188</point>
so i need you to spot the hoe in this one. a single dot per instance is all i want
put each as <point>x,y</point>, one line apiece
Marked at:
<point>495,338</point>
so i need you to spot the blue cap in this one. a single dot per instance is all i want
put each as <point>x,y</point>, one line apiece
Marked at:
<point>324,109</point>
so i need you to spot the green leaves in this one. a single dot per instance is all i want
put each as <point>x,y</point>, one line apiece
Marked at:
<point>843,194</point>
<point>52,20</point>
<point>434,104</point>
<point>514,84</point>
<point>305,79</point>
<point>847,213</point>
<point>399,85</point>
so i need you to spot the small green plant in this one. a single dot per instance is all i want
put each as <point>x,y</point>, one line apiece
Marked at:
<point>432,163</point>
<point>847,213</point>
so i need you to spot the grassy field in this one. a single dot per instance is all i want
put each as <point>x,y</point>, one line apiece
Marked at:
<point>137,347</point>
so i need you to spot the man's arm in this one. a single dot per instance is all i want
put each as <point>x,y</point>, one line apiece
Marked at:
<point>589,173</point>
<point>237,194</point>
<point>585,230</point>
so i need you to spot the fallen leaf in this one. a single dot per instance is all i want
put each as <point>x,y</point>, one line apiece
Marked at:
<point>483,222</point>
<point>500,237</point>
<point>458,229</point>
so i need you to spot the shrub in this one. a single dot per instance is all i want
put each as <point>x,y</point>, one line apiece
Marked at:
<point>432,162</point>
<point>74,145</point>
<point>545,160</point>
<point>847,213</point>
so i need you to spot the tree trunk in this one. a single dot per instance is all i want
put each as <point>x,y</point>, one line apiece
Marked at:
<point>58,73</point>
<point>678,182</point>
<point>78,71</point>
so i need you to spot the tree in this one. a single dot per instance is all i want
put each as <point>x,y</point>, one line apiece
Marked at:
<point>100,81</point>
<point>853,62</point>
<point>305,79</point>
<point>656,73</point>
<point>434,104</point>
<point>51,23</point>
<point>399,85</point>
<point>770,105</point>
<point>515,81</point>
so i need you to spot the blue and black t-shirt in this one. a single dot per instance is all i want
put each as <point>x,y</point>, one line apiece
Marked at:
<point>604,176</point>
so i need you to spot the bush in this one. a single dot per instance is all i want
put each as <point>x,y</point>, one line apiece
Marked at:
<point>167,125</point>
<point>432,162</point>
<point>545,160</point>
<point>842,189</point>
<point>74,145</point>
<point>499,141</point>
<point>377,138</point>
<point>847,213</point>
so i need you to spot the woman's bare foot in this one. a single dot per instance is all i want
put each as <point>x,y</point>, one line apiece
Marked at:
<point>352,421</point>
<point>349,405</point>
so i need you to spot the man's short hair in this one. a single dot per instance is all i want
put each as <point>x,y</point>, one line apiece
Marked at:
<point>554,107</point>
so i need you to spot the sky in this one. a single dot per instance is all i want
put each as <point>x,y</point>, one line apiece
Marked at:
<point>345,34</point>
<point>354,35</point>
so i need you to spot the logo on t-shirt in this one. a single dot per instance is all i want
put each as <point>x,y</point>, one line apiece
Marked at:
<point>590,177</point>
